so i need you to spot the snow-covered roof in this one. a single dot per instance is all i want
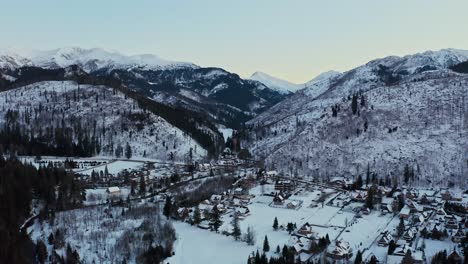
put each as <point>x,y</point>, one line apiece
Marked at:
<point>113,189</point>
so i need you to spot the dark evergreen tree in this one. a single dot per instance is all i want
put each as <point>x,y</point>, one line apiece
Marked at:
<point>216,221</point>
<point>128,151</point>
<point>236,231</point>
<point>167,210</point>
<point>354,104</point>
<point>391,247</point>
<point>358,258</point>
<point>275,224</point>
<point>41,251</point>
<point>142,185</point>
<point>196,215</point>
<point>266,245</point>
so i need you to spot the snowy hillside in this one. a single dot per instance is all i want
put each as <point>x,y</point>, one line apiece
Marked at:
<point>103,113</point>
<point>414,111</point>
<point>276,84</point>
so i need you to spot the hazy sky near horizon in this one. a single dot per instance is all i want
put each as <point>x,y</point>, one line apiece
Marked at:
<point>294,40</point>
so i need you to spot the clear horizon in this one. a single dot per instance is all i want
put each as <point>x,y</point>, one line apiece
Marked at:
<point>294,41</point>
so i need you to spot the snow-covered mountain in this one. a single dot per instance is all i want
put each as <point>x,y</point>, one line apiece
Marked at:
<point>88,59</point>
<point>414,111</point>
<point>276,84</point>
<point>214,92</point>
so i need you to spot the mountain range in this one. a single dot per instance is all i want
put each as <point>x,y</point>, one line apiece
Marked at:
<point>388,114</point>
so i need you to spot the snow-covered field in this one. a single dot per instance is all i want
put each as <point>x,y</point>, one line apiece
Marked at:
<point>114,167</point>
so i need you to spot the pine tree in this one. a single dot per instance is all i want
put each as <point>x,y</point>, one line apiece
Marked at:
<point>236,231</point>
<point>216,219</point>
<point>41,251</point>
<point>118,151</point>
<point>359,182</point>
<point>132,188</point>
<point>266,245</point>
<point>368,175</point>
<point>128,151</point>
<point>290,228</point>
<point>406,174</point>
<point>373,260</point>
<point>142,185</point>
<point>250,236</point>
<point>407,259</point>
<point>167,210</point>
<point>275,224</point>
<point>197,215</point>
<point>370,197</point>
<point>354,104</point>
<point>358,258</point>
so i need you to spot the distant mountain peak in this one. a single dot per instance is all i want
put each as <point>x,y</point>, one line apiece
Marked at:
<point>89,59</point>
<point>275,83</point>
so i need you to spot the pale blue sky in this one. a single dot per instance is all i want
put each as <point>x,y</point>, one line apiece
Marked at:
<point>295,39</point>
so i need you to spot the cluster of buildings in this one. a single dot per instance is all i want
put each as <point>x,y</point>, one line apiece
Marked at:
<point>236,200</point>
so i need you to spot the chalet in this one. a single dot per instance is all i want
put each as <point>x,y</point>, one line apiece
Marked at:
<point>410,234</point>
<point>441,212</point>
<point>306,231</point>
<point>204,225</point>
<point>242,211</point>
<point>401,248</point>
<point>271,174</point>
<point>413,206</point>
<point>278,200</point>
<point>114,192</point>
<point>365,211</point>
<point>405,212</point>
<point>385,239</point>
<point>338,182</point>
<point>411,194</point>
<point>451,222</point>
<point>216,198</point>
<point>299,245</point>
<point>446,195</point>
<point>284,186</point>
<point>386,209</point>
<point>292,205</point>
<point>427,200</point>
<point>359,196</point>
<point>341,250</point>
<point>387,201</point>
<point>240,191</point>
<point>458,236</point>
<point>419,218</point>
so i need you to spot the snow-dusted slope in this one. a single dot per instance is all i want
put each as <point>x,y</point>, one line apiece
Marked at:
<point>415,112</point>
<point>276,84</point>
<point>117,119</point>
<point>88,59</point>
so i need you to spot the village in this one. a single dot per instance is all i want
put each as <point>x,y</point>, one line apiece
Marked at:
<point>395,223</point>
<point>334,220</point>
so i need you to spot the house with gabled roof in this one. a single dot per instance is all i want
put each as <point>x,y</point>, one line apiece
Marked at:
<point>385,239</point>
<point>341,250</point>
